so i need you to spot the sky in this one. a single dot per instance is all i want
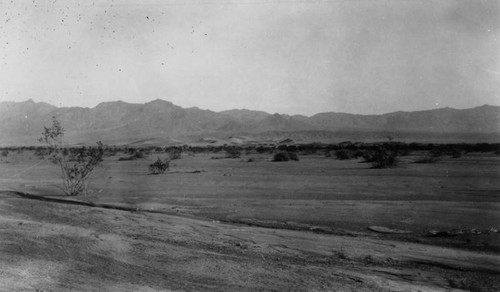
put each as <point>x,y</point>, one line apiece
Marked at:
<point>292,57</point>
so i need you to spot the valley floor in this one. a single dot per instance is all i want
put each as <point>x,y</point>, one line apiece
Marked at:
<point>231,225</point>
<point>47,246</point>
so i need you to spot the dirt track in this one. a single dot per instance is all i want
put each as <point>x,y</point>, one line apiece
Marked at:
<point>52,246</point>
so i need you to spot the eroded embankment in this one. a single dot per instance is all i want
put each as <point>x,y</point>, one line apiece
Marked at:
<point>107,247</point>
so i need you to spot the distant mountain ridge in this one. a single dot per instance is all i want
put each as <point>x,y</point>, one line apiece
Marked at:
<point>121,122</point>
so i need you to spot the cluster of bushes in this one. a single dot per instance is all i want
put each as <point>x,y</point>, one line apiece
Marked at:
<point>41,152</point>
<point>111,151</point>
<point>261,149</point>
<point>385,154</point>
<point>248,149</point>
<point>344,150</point>
<point>285,156</point>
<point>407,148</point>
<point>432,156</point>
<point>347,149</point>
<point>382,157</point>
<point>344,154</point>
<point>76,153</point>
<point>133,156</point>
<point>174,152</point>
<point>233,152</point>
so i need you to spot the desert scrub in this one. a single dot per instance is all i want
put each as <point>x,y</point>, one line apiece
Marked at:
<point>233,152</point>
<point>368,156</point>
<point>382,157</point>
<point>344,154</point>
<point>77,167</point>
<point>41,152</point>
<point>285,156</point>
<point>174,153</point>
<point>159,166</point>
<point>133,156</point>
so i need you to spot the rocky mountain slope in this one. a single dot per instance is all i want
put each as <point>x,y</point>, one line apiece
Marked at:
<point>121,122</point>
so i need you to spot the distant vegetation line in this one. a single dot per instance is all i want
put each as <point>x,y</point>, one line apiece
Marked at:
<point>139,152</point>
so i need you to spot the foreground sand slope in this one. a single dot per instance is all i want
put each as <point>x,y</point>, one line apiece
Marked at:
<point>53,246</point>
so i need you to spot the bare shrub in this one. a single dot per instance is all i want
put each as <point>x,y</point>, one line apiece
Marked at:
<point>159,166</point>
<point>75,168</point>
<point>5,152</point>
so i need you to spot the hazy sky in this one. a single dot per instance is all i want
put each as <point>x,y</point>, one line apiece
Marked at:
<point>357,56</point>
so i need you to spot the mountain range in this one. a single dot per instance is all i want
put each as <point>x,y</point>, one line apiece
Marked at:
<point>162,122</point>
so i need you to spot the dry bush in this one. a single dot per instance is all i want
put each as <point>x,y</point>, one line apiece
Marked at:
<point>134,156</point>
<point>233,152</point>
<point>175,153</point>
<point>285,156</point>
<point>77,167</point>
<point>344,154</point>
<point>382,157</point>
<point>41,152</point>
<point>159,166</point>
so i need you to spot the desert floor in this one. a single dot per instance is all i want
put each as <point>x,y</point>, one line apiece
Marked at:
<point>229,224</point>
